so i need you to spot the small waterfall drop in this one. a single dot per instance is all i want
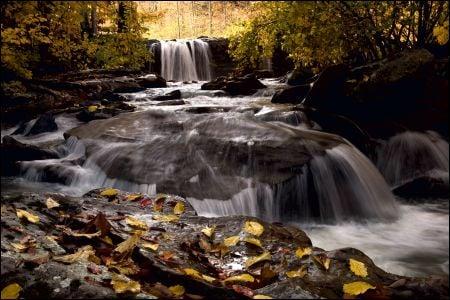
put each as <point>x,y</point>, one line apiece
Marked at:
<point>184,60</point>
<point>411,154</point>
<point>339,185</point>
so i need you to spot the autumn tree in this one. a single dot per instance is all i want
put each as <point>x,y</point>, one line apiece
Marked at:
<point>318,33</point>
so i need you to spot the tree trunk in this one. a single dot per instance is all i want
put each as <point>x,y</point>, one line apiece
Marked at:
<point>121,17</point>
<point>94,19</point>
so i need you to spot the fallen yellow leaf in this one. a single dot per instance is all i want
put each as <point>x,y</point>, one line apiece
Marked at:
<point>133,222</point>
<point>323,260</point>
<point>84,253</point>
<point>19,247</point>
<point>193,273</point>
<point>253,241</point>
<point>301,272</point>
<point>256,259</point>
<point>358,268</point>
<point>125,267</point>
<point>208,278</point>
<point>261,297</point>
<point>166,218</point>
<point>231,241</point>
<point>133,197</point>
<point>51,203</point>
<point>177,290</point>
<point>68,231</point>
<point>129,244</point>
<point>300,252</point>
<point>253,227</point>
<point>356,288</point>
<point>122,284</point>
<point>151,246</point>
<point>241,278</point>
<point>109,193</point>
<point>208,231</point>
<point>29,216</point>
<point>11,291</point>
<point>179,208</point>
<point>92,108</point>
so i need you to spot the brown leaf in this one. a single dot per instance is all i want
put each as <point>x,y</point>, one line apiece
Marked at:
<point>84,253</point>
<point>323,260</point>
<point>166,255</point>
<point>145,202</point>
<point>98,223</point>
<point>126,247</point>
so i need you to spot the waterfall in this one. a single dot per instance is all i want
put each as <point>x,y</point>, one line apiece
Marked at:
<point>411,154</point>
<point>342,184</point>
<point>184,60</point>
<point>224,164</point>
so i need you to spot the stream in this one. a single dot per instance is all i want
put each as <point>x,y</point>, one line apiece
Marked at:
<point>407,238</point>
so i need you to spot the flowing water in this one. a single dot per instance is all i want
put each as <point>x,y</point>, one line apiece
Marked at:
<point>228,161</point>
<point>184,60</point>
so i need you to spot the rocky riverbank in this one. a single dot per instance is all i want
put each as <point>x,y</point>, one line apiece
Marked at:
<point>93,93</point>
<point>112,244</point>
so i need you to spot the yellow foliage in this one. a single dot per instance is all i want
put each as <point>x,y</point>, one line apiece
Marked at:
<point>356,288</point>
<point>133,222</point>
<point>29,216</point>
<point>231,241</point>
<point>179,208</point>
<point>358,268</point>
<point>11,291</point>
<point>109,193</point>
<point>240,278</point>
<point>208,231</point>
<point>300,252</point>
<point>253,227</point>
<point>51,203</point>
<point>301,272</point>
<point>256,259</point>
<point>122,284</point>
<point>177,290</point>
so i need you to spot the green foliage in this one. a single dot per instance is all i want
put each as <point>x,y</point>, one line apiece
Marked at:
<point>317,33</point>
<point>66,35</point>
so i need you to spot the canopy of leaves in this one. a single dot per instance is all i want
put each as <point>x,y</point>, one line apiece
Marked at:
<point>319,33</point>
<point>44,36</point>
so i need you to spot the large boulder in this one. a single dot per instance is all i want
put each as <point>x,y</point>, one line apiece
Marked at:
<point>293,94</point>
<point>424,186</point>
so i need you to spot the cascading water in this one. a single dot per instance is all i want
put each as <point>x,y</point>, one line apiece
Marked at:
<point>411,154</point>
<point>214,160</point>
<point>185,60</point>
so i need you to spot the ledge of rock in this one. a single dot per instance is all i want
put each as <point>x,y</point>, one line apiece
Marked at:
<point>109,243</point>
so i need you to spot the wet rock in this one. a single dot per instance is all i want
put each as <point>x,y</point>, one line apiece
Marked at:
<point>172,102</point>
<point>246,85</point>
<point>207,135</point>
<point>300,76</point>
<point>424,187</point>
<point>173,95</point>
<point>293,94</point>
<point>87,116</point>
<point>13,151</point>
<point>181,246</point>
<point>45,123</point>
<point>263,74</point>
<point>327,92</point>
<point>151,81</point>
